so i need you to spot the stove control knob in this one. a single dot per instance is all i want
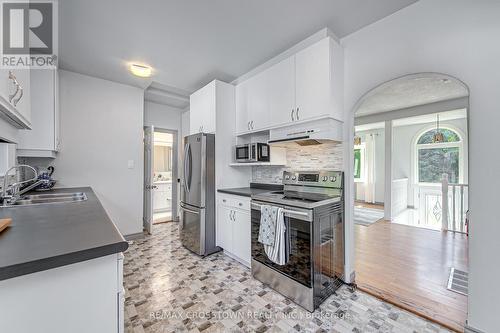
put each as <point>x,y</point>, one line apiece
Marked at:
<point>333,178</point>
<point>325,178</point>
<point>287,177</point>
<point>293,177</point>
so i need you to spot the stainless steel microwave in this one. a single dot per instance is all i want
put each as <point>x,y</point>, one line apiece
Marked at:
<point>253,152</point>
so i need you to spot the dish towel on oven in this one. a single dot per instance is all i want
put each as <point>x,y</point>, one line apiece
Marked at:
<point>272,233</point>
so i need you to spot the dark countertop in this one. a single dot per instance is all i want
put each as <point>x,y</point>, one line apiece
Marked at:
<point>254,188</point>
<point>46,236</point>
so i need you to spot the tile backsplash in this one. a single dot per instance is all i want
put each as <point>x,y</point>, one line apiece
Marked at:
<point>326,156</point>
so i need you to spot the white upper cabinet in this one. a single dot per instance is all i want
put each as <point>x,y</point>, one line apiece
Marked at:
<point>43,139</point>
<point>281,90</point>
<point>22,101</point>
<point>307,85</point>
<point>202,109</point>
<point>15,101</point>
<point>312,84</point>
<point>204,104</point>
<point>242,93</point>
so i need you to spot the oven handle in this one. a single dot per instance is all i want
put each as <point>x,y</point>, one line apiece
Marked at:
<point>286,211</point>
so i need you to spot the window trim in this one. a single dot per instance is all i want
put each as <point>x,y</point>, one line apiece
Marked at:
<point>459,144</point>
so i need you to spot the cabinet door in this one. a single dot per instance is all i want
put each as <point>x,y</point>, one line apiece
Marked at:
<point>281,90</point>
<point>5,84</point>
<point>202,109</point>
<point>242,235</point>
<point>44,121</point>
<point>224,227</point>
<point>312,80</point>
<point>23,105</point>
<point>258,102</point>
<point>242,98</point>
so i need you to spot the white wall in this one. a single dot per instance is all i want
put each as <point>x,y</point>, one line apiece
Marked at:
<point>101,130</point>
<point>166,117</point>
<point>459,38</point>
<point>379,166</point>
<point>402,150</point>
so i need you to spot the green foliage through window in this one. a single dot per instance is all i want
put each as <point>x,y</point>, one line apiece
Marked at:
<point>357,163</point>
<point>428,137</point>
<point>433,162</point>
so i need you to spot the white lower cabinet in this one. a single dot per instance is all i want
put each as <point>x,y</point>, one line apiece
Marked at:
<point>83,297</point>
<point>233,226</point>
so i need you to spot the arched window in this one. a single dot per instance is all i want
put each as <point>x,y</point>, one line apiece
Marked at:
<point>436,158</point>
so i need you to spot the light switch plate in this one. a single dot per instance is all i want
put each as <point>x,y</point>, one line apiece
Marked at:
<point>130,164</point>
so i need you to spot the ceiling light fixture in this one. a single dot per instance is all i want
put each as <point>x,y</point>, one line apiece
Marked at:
<point>141,70</point>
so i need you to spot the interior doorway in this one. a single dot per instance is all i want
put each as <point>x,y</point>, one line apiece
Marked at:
<point>410,182</point>
<point>160,176</point>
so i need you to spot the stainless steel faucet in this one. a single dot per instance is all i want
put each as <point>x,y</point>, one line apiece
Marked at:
<point>11,192</point>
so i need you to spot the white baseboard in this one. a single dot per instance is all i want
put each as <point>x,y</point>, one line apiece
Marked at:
<point>468,329</point>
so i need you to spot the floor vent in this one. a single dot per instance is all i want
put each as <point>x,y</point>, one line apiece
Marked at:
<point>458,281</point>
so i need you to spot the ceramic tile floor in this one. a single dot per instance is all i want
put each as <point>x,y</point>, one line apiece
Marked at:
<point>169,289</point>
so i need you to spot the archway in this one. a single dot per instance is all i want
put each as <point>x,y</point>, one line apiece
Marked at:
<point>387,119</point>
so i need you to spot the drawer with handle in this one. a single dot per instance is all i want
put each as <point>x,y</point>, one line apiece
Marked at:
<point>234,201</point>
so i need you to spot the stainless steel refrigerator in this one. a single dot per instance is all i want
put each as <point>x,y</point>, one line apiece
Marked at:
<point>197,218</point>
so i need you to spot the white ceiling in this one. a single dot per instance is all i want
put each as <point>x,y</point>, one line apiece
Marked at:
<point>191,42</point>
<point>411,90</point>
<point>423,119</point>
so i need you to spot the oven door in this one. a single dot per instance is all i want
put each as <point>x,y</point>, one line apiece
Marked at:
<point>243,153</point>
<point>298,237</point>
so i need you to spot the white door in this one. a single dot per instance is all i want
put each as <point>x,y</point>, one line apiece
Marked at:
<point>281,90</point>
<point>241,235</point>
<point>312,80</point>
<point>148,178</point>
<point>224,227</point>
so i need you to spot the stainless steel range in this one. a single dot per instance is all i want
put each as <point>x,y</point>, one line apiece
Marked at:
<point>313,206</point>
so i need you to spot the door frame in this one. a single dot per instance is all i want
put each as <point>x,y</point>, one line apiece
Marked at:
<point>175,171</point>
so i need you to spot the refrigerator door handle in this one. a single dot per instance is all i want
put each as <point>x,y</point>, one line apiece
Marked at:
<point>187,168</point>
<point>189,210</point>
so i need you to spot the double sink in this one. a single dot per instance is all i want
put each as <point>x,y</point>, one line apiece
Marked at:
<point>38,199</point>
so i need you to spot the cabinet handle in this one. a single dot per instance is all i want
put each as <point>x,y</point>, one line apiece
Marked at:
<point>240,204</point>
<point>223,200</point>
<point>292,115</point>
<point>248,125</point>
<point>20,96</point>
<point>14,81</point>
<point>251,124</point>
<point>297,113</point>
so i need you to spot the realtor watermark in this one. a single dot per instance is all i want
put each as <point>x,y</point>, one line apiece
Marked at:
<point>28,34</point>
<point>247,315</point>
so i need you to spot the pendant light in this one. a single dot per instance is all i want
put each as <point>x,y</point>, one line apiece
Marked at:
<point>438,136</point>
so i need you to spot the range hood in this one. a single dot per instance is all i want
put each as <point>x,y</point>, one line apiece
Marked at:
<point>314,132</point>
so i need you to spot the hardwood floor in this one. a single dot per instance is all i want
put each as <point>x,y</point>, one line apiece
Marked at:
<point>409,267</point>
<point>368,205</point>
